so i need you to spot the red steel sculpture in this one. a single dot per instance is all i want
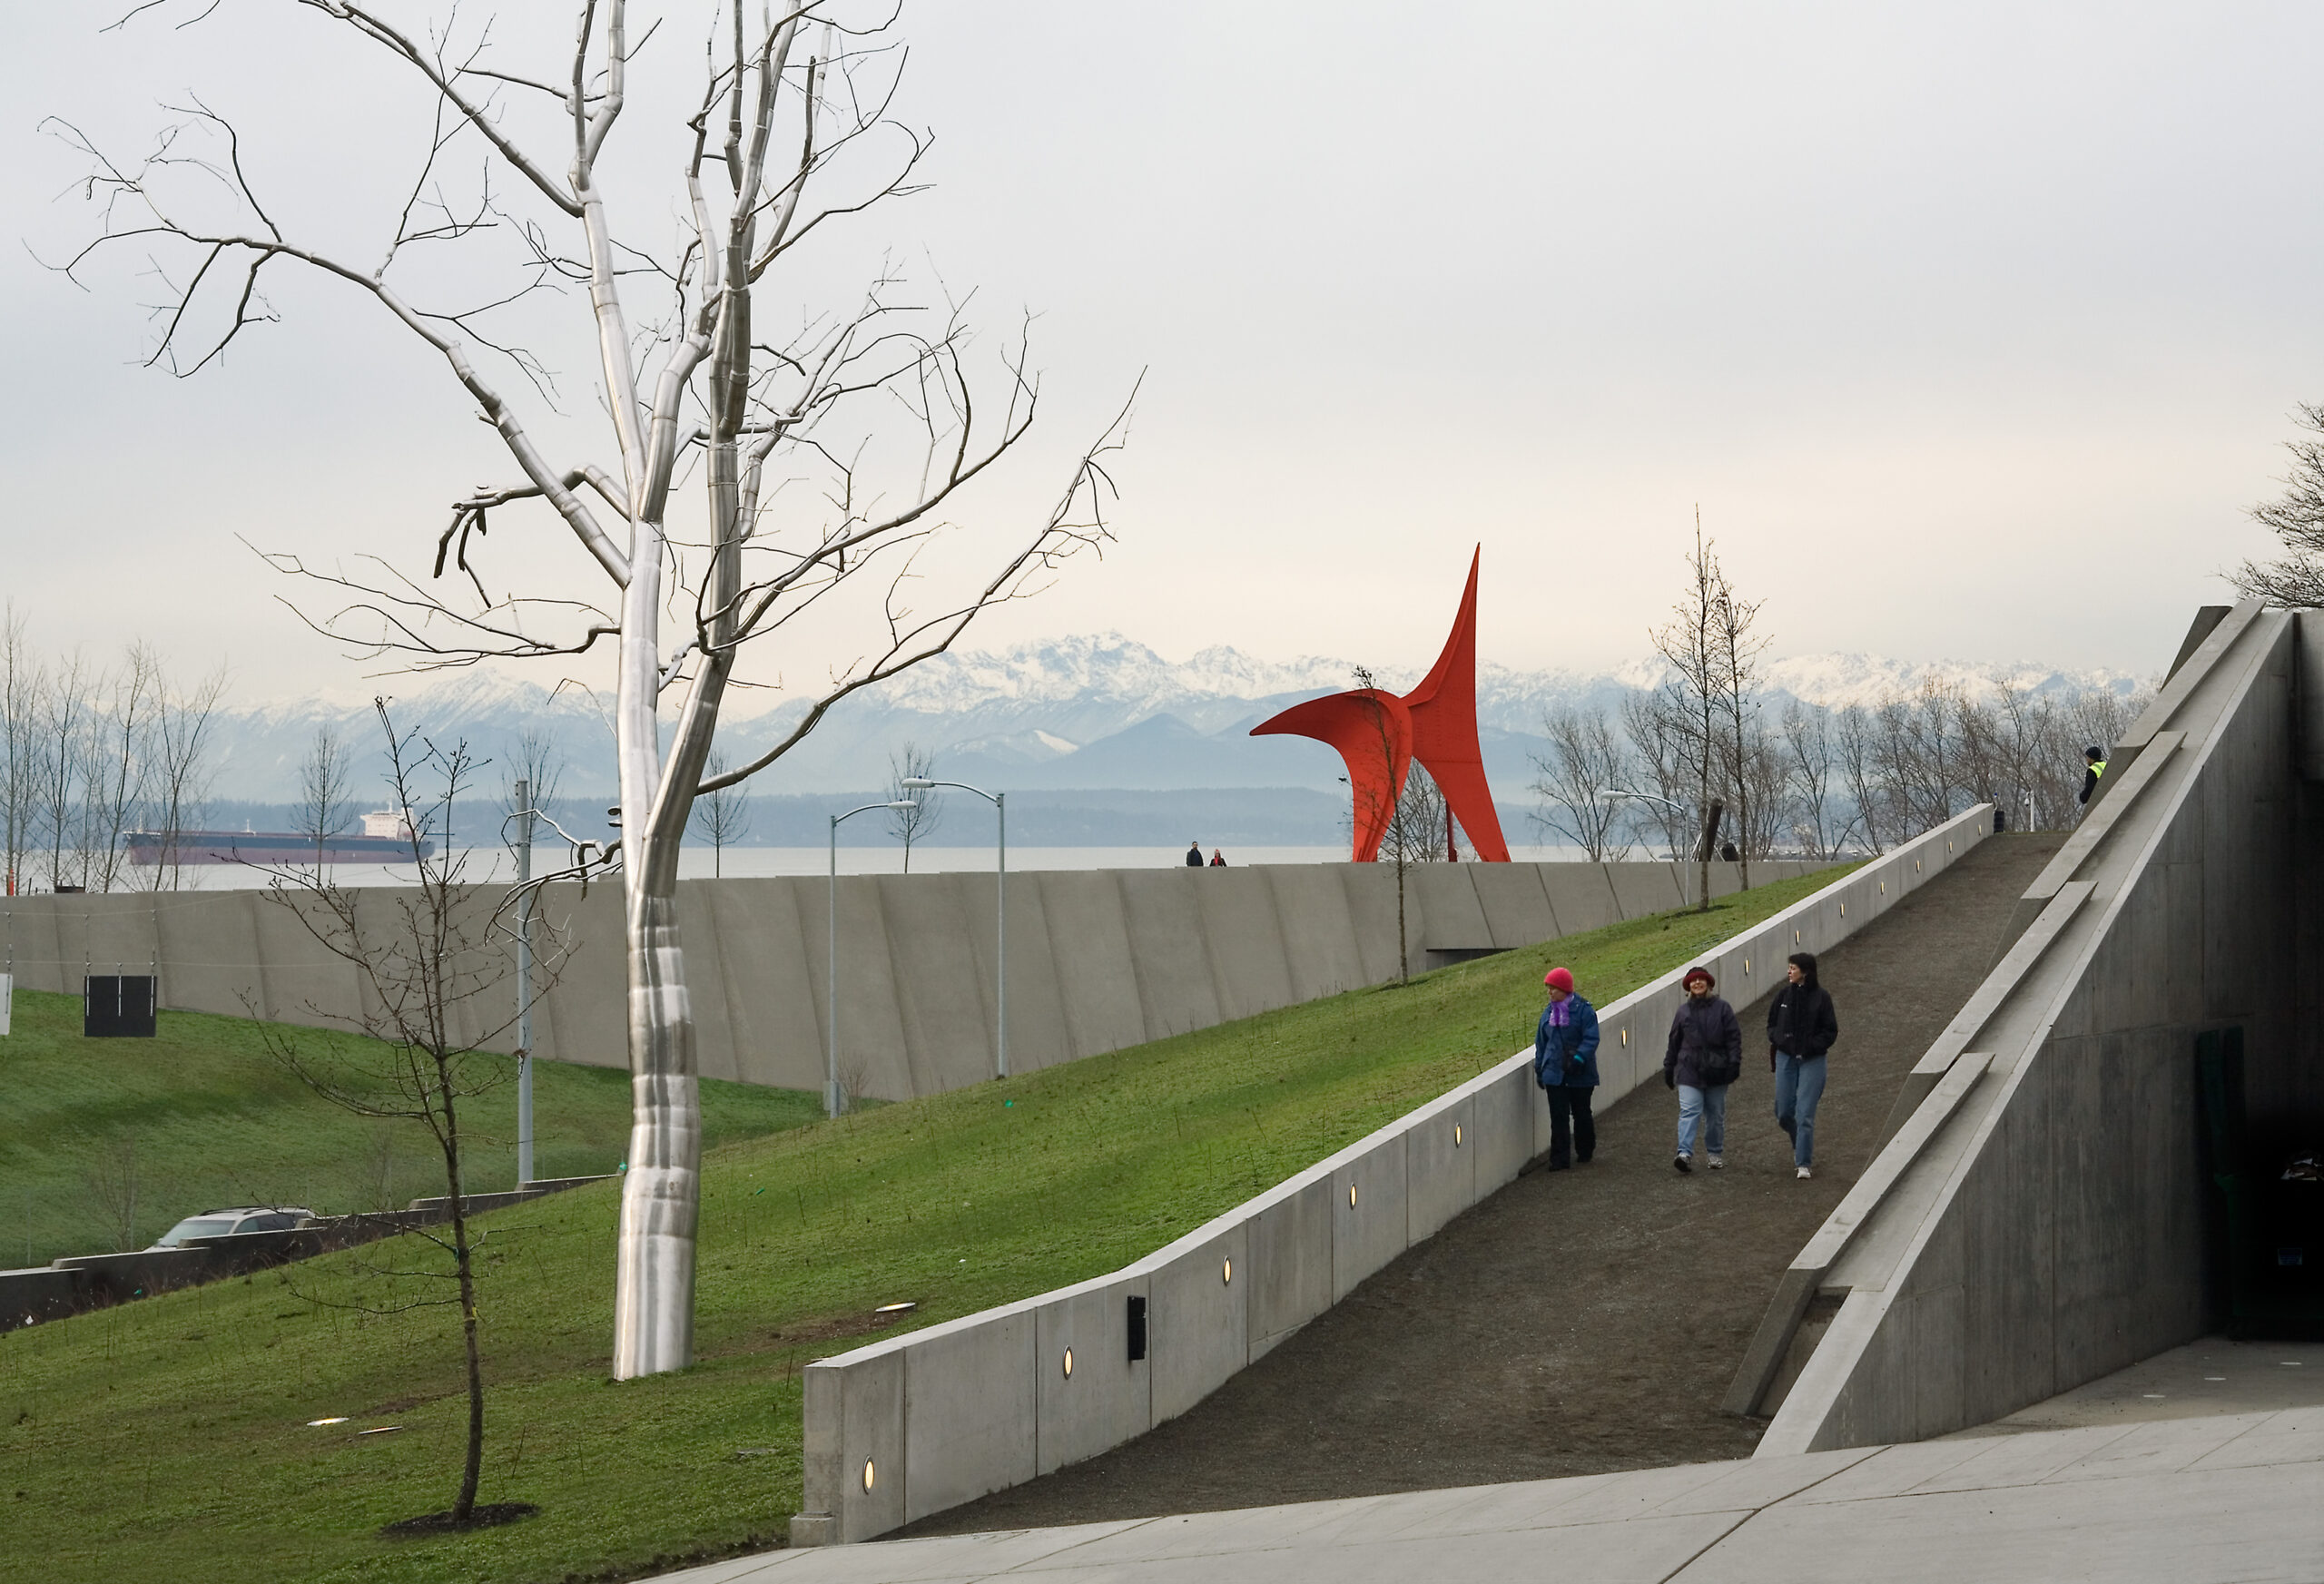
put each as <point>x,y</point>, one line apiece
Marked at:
<point>1379,735</point>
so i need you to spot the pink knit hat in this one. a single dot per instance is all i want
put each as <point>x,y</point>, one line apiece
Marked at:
<point>1557,978</point>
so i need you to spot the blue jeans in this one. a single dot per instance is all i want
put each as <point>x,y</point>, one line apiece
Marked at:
<point>1707,1106</point>
<point>1799,1084</point>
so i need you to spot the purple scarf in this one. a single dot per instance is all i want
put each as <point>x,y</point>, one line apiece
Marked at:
<point>1562,1013</point>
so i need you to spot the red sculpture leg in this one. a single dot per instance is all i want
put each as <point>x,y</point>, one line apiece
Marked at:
<point>1378,736</point>
<point>1373,733</point>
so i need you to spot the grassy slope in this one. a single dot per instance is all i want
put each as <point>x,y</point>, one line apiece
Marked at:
<point>215,1120</point>
<point>167,1438</point>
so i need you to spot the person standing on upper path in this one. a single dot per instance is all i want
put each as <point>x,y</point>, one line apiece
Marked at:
<point>1801,1027</point>
<point>1565,1064</point>
<point>2093,768</point>
<point>1218,859</point>
<point>1193,855</point>
<point>1705,1055</point>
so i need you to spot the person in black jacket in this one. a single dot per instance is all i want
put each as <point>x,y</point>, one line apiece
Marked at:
<point>1801,1027</point>
<point>1193,855</point>
<point>1705,1054</point>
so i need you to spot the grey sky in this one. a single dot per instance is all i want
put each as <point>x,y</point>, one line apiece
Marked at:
<point>1972,328</point>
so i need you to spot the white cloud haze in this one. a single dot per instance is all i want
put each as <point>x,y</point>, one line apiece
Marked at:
<point>1972,328</point>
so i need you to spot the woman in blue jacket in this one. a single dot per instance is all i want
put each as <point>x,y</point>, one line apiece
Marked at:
<point>1565,1064</point>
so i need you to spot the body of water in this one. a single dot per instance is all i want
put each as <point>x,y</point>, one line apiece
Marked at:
<point>498,866</point>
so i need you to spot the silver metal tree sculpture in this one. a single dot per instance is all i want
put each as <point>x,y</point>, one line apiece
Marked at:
<point>694,380</point>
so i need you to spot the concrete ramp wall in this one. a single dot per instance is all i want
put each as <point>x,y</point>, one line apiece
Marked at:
<point>919,1423</point>
<point>2034,1221</point>
<point>1097,958</point>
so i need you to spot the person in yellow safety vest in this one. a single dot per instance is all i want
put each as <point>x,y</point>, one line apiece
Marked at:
<point>2096,767</point>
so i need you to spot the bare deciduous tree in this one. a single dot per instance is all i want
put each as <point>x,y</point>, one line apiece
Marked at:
<point>690,368</point>
<point>109,1175</point>
<point>722,816</point>
<point>1735,651</point>
<point>434,994</point>
<point>179,769</point>
<point>1659,739</point>
<point>2296,520</point>
<point>1807,739</point>
<point>1694,692</point>
<point>23,686</point>
<point>1587,761</point>
<point>325,779</point>
<point>926,804</point>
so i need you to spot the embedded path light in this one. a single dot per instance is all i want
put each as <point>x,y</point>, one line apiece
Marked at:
<point>999,802</point>
<point>830,1000</point>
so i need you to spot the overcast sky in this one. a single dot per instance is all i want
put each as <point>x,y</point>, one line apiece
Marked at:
<point>1973,329</point>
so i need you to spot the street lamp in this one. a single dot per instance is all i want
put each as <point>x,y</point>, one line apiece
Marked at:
<point>999,802</point>
<point>1616,794</point>
<point>831,999</point>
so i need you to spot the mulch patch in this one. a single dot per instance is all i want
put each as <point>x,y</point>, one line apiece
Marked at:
<point>485,1515</point>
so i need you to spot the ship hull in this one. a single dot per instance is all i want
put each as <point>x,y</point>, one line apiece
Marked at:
<point>267,848</point>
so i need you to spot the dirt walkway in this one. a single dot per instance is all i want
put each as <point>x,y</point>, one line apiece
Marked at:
<point>1577,1322</point>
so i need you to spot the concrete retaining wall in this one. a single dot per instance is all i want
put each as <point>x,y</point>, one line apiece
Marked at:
<point>1098,959</point>
<point>916,1424</point>
<point>2036,1221</point>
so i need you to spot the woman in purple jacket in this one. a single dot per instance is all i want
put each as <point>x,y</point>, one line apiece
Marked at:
<point>1705,1055</point>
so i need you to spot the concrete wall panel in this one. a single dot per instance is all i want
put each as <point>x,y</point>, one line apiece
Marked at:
<point>1369,1220</point>
<point>1174,981</point>
<point>1503,1104</point>
<point>1097,977</point>
<point>1198,1320</point>
<point>1090,1394</point>
<point>1640,889</point>
<point>1582,895</point>
<point>586,1009</point>
<point>1291,1258</point>
<point>1449,913</point>
<point>1515,903</point>
<point>970,1414</point>
<point>1244,941</point>
<point>770,985</point>
<point>947,1004</point>
<point>1319,944</point>
<point>1441,1163</point>
<point>856,1456</point>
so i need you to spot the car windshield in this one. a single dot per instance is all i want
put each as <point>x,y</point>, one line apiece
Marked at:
<point>196,1226</point>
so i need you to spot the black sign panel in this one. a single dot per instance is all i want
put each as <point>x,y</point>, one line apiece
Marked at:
<point>117,1006</point>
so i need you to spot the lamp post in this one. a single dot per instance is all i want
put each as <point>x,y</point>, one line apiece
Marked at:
<point>1615,794</point>
<point>831,999</point>
<point>524,983</point>
<point>999,802</point>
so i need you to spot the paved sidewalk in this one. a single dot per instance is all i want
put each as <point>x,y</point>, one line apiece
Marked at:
<point>2209,1501</point>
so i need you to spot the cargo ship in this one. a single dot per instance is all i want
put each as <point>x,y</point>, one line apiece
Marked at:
<point>387,838</point>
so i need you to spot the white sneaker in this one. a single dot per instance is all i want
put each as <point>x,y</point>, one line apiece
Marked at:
<point>1717,1162</point>
<point>1806,1172</point>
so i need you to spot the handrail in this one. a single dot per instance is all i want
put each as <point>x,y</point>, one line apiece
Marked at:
<point>1985,1000</point>
<point>1771,1344</point>
<point>2101,820</point>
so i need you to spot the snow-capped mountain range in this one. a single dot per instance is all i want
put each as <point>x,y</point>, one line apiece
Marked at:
<point>1085,712</point>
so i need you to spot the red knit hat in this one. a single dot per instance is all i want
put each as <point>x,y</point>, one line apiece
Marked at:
<point>1557,978</point>
<point>1699,972</point>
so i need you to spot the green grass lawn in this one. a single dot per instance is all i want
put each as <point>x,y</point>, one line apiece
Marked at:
<point>168,1438</point>
<point>201,1115</point>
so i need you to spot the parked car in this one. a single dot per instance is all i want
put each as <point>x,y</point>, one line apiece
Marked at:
<point>245,1218</point>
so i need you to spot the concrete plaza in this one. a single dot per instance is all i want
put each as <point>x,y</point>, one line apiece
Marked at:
<point>2202,1499</point>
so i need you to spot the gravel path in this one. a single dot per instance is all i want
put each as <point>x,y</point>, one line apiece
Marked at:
<point>1576,1322</point>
